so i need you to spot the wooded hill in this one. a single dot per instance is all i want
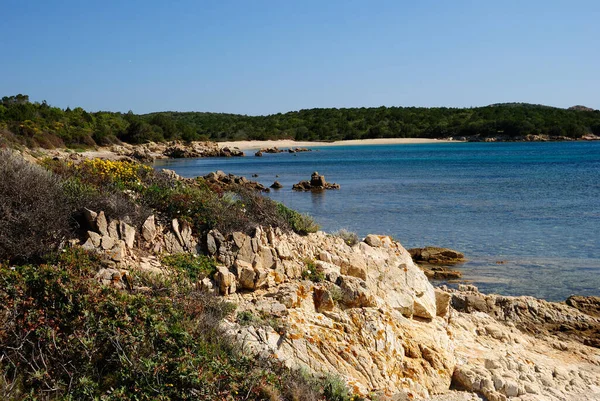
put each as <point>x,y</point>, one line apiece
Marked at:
<point>39,124</point>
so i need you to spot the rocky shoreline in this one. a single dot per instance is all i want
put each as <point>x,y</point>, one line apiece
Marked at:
<point>367,313</point>
<point>152,151</point>
<point>145,153</point>
<point>526,138</point>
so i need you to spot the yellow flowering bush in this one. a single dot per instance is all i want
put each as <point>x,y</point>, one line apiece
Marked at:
<point>128,174</point>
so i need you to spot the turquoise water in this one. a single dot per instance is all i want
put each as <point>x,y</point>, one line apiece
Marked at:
<point>533,206</point>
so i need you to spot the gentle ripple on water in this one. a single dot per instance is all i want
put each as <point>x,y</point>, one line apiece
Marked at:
<point>535,206</point>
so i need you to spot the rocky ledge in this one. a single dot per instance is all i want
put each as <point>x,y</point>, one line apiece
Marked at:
<point>317,183</point>
<point>434,261</point>
<point>368,313</point>
<point>147,152</point>
<point>226,181</point>
<point>275,149</point>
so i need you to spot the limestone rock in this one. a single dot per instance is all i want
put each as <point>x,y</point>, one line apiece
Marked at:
<point>373,240</point>
<point>118,252</point>
<point>102,224</point>
<point>225,281</point>
<point>587,305</point>
<point>149,229</point>
<point>246,275</point>
<point>113,230</point>
<point>323,299</point>
<point>440,272</point>
<point>442,302</point>
<point>107,242</point>
<point>95,238</point>
<point>127,234</point>
<point>112,277</point>
<point>226,181</point>
<point>317,181</point>
<point>172,244</point>
<point>90,217</point>
<point>355,293</point>
<point>187,239</point>
<point>211,243</point>
<point>436,255</point>
<point>355,266</point>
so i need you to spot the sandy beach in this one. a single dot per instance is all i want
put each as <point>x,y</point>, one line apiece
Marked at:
<point>287,143</point>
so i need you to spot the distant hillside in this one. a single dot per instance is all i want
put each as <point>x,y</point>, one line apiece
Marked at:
<point>39,124</point>
<point>509,120</point>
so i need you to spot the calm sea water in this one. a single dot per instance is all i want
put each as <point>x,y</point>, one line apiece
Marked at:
<point>535,207</point>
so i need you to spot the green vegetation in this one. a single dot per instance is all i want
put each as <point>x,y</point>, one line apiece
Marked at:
<point>64,336</point>
<point>41,207</point>
<point>194,267</point>
<point>39,124</point>
<point>311,272</point>
<point>349,237</point>
<point>301,223</point>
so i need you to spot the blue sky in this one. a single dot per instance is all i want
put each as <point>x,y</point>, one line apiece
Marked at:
<point>262,57</point>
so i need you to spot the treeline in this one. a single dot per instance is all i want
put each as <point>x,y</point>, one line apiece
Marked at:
<point>39,124</point>
<point>507,120</point>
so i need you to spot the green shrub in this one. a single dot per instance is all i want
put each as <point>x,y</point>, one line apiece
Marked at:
<point>65,337</point>
<point>300,223</point>
<point>335,389</point>
<point>312,272</point>
<point>34,216</point>
<point>194,267</point>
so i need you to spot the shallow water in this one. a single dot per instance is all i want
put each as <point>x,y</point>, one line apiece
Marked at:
<point>535,207</point>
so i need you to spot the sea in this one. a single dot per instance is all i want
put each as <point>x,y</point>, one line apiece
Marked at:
<point>525,214</point>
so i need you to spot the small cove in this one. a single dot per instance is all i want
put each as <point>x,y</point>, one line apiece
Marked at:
<point>535,207</point>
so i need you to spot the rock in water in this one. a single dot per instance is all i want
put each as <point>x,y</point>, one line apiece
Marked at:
<point>436,256</point>
<point>317,182</point>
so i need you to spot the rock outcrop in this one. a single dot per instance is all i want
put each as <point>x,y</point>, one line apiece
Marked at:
<point>434,261</point>
<point>149,152</point>
<point>368,313</point>
<point>199,149</point>
<point>298,150</point>
<point>225,181</point>
<point>317,183</point>
<point>434,255</point>
<point>275,149</point>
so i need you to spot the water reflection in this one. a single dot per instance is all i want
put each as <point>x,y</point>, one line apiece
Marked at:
<point>318,199</point>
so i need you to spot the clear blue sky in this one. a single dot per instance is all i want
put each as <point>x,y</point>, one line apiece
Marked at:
<point>263,57</point>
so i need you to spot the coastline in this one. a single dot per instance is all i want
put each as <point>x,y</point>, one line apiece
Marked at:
<point>289,143</point>
<point>354,300</point>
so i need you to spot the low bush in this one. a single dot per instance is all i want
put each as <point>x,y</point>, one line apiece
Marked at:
<point>65,337</point>
<point>194,267</point>
<point>349,237</point>
<point>85,187</point>
<point>34,216</point>
<point>123,174</point>
<point>312,273</point>
<point>302,224</point>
